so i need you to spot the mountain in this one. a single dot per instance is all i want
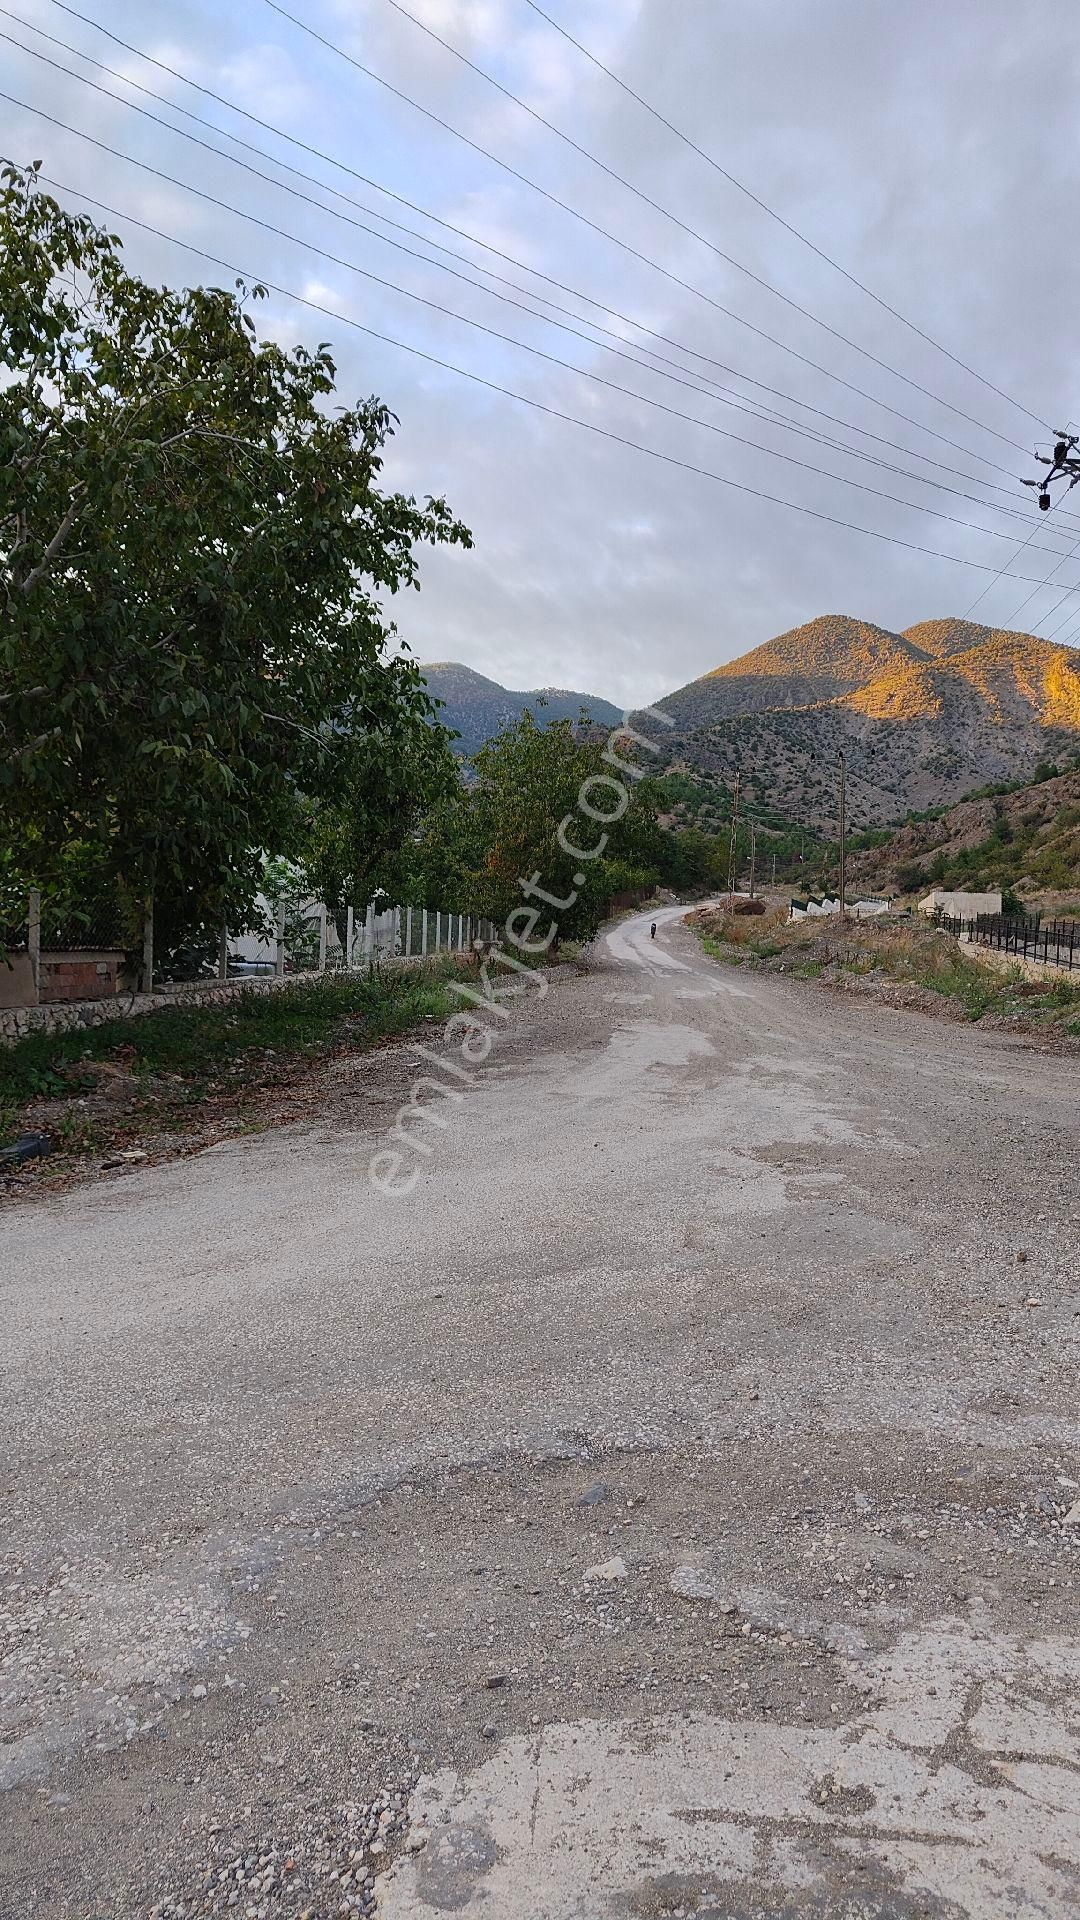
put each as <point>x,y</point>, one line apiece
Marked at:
<point>922,717</point>
<point>1025,838</point>
<point>478,708</point>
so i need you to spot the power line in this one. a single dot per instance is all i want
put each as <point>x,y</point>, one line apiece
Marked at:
<point>624,245</point>
<point>463,233</point>
<point>435,306</point>
<point>797,232</point>
<point>712,389</point>
<point>450,227</point>
<point>658,207</point>
<point>1026,603</point>
<point>539,406</point>
<point>1067,595</point>
<point>980,597</point>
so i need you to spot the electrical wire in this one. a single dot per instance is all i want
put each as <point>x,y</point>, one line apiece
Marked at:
<point>787,225</point>
<point>727,396</point>
<point>506,339</point>
<point>1026,603</point>
<point>658,207</point>
<point>437,219</point>
<point>473,239</point>
<point>626,247</point>
<point>979,598</point>
<point>528,400</point>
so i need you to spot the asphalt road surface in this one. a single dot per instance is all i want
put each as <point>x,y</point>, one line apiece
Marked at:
<point>668,1505</point>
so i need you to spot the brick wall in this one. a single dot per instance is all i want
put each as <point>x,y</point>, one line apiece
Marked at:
<point>79,976</point>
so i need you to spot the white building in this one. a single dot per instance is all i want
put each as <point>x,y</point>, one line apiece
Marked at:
<point>956,903</point>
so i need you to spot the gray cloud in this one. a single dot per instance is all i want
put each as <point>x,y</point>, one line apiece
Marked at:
<point>924,147</point>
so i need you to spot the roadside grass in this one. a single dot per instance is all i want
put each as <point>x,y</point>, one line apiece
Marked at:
<point>908,953</point>
<point>194,1045</point>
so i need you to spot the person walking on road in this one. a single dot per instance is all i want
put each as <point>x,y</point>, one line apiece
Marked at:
<point>652,931</point>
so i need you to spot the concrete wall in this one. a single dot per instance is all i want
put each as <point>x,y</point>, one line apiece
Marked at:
<point>959,904</point>
<point>17,987</point>
<point>1016,963</point>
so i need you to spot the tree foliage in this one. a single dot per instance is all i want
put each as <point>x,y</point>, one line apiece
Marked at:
<point>495,844</point>
<point>195,664</point>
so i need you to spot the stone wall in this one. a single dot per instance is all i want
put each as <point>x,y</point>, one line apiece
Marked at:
<point>1013,962</point>
<point>63,1015</point>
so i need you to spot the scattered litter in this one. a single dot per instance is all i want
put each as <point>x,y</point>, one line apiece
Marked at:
<point>29,1146</point>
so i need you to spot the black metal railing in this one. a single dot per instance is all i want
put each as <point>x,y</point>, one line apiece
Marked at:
<point>1027,935</point>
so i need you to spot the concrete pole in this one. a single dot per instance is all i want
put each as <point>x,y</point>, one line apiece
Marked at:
<point>438,917</point>
<point>223,955</point>
<point>753,856</point>
<point>33,938</point>
<point>279,940</point>
<point>322,937</point>
<point>369,936</point>
<point>408,933</point>
<point>733,847</point>
<point>423,932</point>
<point>843,839</point>
<point>349,927</point>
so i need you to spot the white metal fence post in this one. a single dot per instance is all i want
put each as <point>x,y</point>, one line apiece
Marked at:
<point>349,930</point>
<point>322,937</point>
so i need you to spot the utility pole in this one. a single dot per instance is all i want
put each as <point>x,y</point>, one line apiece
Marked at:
<point>843,839</point>
<point>734,838</point>
<point>753,856</point>
<point>774,869</point>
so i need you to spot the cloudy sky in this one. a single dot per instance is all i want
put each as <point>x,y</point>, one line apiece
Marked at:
<point>931,151</point>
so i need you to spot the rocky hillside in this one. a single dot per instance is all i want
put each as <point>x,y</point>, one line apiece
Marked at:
<point>1025,839</point>
<point>478,708</point>
<point>922,717</point>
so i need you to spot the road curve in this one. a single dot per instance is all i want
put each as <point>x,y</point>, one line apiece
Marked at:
<point>667,1503</point>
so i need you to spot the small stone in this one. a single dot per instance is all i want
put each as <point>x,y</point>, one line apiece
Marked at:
<point>199,1692</point>
<point>489,1730</point>
<point>593,1495</point>
<point>1072,1518</point>
<point>495,1680</point>
<point>614,1569</point>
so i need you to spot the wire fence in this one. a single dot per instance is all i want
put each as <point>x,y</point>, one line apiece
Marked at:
<point>1027,935</point>
<point>47,953</point>
<point>305,936</point>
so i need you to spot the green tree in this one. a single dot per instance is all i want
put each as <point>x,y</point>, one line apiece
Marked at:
<point>529,787</point>
<point>194,660</point>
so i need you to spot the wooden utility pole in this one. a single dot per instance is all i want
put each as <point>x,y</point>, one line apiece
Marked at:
<point>843,839</point>
<point>732,848</point>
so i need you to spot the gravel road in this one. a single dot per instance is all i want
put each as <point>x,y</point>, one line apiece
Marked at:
<point>669,1505</point>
